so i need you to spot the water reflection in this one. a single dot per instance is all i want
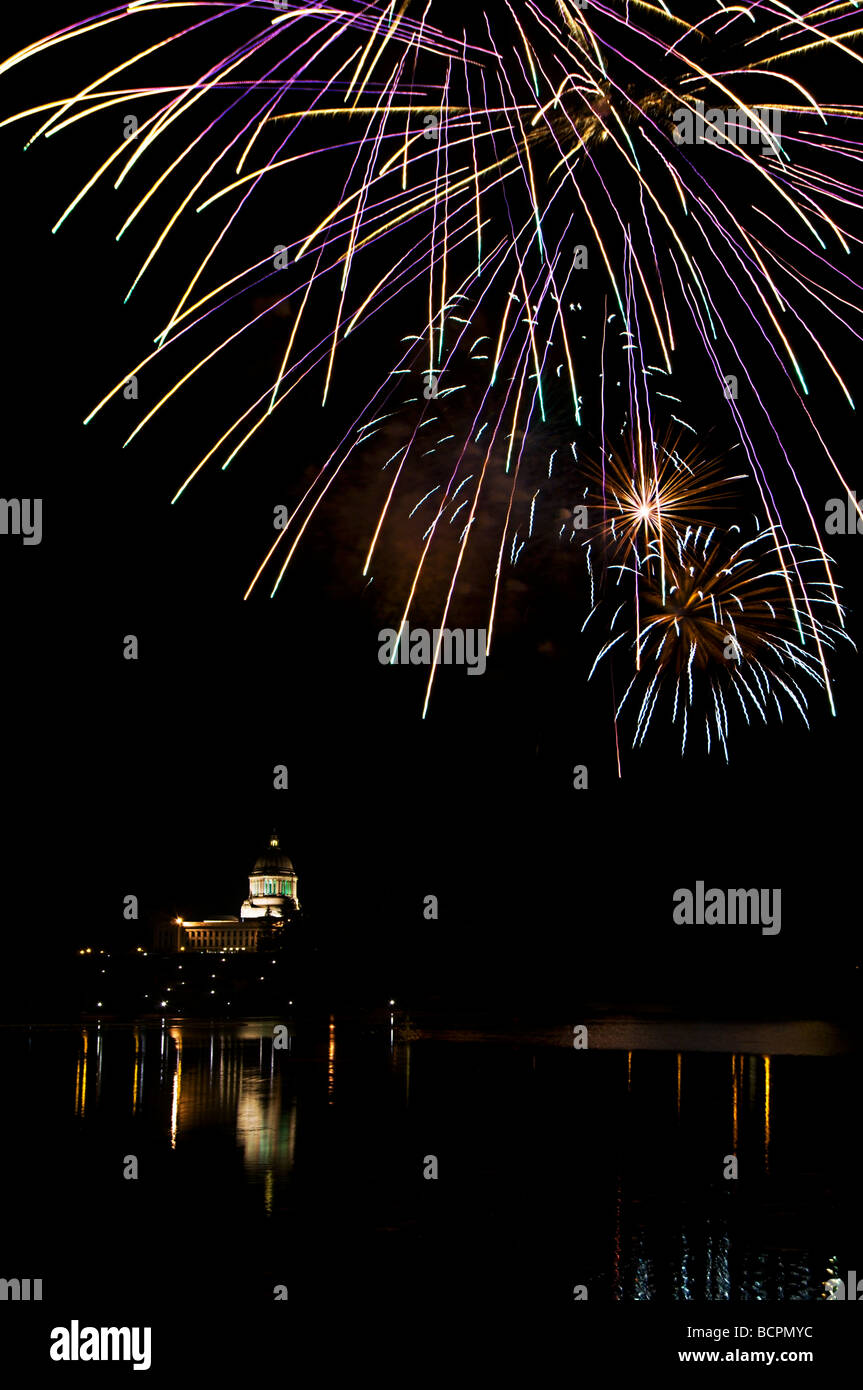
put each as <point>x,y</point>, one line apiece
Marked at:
<point>138,1069</point>
<point>625,1159</point>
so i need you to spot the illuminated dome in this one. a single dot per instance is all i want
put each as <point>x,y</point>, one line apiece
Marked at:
<point>272,886</point>
<point>274,860</point>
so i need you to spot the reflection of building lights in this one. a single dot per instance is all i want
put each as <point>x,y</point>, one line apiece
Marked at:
<point>734,1097</point>
<point>81,1078</point>
<point>175,1096</point>
<point>138,1073</point>
<point>766,1061</point>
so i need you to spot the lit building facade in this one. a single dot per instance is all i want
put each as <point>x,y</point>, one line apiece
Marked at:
<point>272,886</point>
<point>271,903</point>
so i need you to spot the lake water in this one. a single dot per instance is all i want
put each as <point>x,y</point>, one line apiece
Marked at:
<point>556,1166</point>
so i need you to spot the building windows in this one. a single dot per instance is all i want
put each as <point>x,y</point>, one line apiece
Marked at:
<point>271,887</point>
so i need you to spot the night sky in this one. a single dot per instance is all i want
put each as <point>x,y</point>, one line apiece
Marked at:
<point>155,777</point>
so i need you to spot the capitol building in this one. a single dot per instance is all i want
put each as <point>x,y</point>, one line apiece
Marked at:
<point>271,903</point>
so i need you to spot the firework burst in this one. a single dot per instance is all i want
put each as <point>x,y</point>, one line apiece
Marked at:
<point>719,632</point>
<point>482,163</point>
<point>651,492</point>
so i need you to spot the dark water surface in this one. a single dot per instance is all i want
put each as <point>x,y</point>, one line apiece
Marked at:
<point>557,1166</point>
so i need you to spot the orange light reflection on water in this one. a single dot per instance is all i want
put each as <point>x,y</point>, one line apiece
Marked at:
<point>766,1061</point>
